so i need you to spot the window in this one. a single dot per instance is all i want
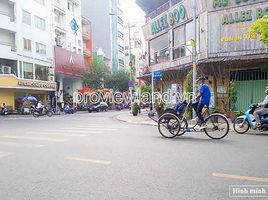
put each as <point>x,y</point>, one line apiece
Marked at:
<point>74,49</point>
<point>80,51</point>
<point>42,2</point>
<point>121,35</point>
<point>26,17</point>
<point>121,48</point>
<point>179,42</point>
<point>40,23</point>
<point>27,44</point>
<point>120,21</point>
<point>79,43</point>
<point>158,48</point>
<point>70,6</point>
<point>41,72</point>
<point>40,48</point>
<point>121,61</point>
<point>28,70</point>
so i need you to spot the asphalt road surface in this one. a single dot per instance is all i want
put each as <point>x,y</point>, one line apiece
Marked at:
<point>95,157</point>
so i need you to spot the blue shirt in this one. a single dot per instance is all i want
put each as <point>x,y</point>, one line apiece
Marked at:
<point>206,94</point>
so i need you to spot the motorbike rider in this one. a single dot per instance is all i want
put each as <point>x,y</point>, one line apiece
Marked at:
<point>3,108</point>
<point>40,107</point>
<point>262,111</point>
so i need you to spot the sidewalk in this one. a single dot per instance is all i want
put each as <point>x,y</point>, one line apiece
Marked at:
<point>142,118</point>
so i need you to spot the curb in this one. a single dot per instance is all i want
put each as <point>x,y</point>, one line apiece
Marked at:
<point>131,122</point>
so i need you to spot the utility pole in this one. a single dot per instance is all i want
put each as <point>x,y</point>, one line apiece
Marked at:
<point>194,50</point>
<point>129,44</point>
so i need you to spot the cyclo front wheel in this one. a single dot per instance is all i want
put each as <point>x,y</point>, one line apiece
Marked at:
<point>169,125</point>
<point>217,126</point>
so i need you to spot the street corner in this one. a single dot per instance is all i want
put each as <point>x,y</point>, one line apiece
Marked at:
<point>141,119</point>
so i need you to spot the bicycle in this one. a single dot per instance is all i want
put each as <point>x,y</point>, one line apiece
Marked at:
<point>172,124</point>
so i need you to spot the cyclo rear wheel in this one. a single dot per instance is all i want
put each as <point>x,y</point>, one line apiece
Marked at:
<point>169,125</point>
<point>217,126</point>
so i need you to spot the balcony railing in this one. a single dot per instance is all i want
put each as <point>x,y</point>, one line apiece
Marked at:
<point>12,46</point>
<point>87,53</point>
<point>12,17</point>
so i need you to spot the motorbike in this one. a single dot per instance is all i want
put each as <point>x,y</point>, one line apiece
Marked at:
<point>69,110</point>
<point>4,111</point>
<point>247,121</point>
<point>45,111</point>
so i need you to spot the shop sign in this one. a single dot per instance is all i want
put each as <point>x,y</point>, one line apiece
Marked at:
<point>169,19</point>
<point>37,84</point>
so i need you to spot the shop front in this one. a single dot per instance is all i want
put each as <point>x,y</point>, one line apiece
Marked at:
<point>70,68</point>
<point>12,91</point>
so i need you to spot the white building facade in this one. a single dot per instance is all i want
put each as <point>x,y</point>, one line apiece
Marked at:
<point>26,53</point>
<point>69,60</point>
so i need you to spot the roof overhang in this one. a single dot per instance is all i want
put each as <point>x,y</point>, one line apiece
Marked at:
<point>149,6</point>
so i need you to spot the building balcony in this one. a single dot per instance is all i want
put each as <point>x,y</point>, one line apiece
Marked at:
<point>86,36</point>
<point>8,50</point>
<point>87,53</point>
<point>60,27</point>
<point>8,22</point>
<point>60,7</point>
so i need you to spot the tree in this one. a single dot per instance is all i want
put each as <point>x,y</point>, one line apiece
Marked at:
<point>260,27</point>
<point>118,81</point>
<point>145,88</point>
<point>95,78</point>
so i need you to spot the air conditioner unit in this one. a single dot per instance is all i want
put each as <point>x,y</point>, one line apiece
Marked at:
<point>51,71</point>
<point>6,69</point>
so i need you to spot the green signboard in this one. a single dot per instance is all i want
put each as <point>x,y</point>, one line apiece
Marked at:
<point>169,19</point>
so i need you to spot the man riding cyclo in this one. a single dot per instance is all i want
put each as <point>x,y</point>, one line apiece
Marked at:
<point>202,100</point>
<point>262,111</point>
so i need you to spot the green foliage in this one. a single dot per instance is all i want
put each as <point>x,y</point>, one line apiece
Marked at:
<point>118,81</point>
<point>260,27</point>
<point>135,108</point>
<point>159,106</point>
<point>146,88</point>
<point>96,77</point>
<point>233,96</point>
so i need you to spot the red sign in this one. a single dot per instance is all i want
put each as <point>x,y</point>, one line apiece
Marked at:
<point>69,63</point>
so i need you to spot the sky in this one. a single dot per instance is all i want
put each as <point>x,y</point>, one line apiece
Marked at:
<point>133,12</point>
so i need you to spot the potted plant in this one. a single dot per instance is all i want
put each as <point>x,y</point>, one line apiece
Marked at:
<point>159,107</point>
<point>135,108</point>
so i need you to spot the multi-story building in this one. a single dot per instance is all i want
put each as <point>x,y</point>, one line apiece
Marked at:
<point>107,18</point>
<point>226,52</point>
<point>26,56</point>
<point>87,42</point>
<point>135,44</point>
<point>68,50</point>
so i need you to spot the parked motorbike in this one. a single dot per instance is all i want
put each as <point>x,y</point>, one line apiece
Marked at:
<point>69,110</point>
<point>44,112</point>
<point>245,122</point>
<point>4,111</point>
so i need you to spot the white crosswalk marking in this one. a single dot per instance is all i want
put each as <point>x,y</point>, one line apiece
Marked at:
<point>103,162</point>
<point>34,138</point>
<point>71,131</point>
<point>95,129</point>
<point>15,144</point>
<point>56,134</point>
<point>4,154</point>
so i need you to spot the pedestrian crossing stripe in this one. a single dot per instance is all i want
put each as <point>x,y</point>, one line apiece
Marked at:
<point>4,154</point>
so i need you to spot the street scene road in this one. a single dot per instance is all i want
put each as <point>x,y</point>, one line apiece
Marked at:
<point>95,156</point>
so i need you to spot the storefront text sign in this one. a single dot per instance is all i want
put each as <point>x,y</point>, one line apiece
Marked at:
<point>169,19</point>
<point>37,84</point>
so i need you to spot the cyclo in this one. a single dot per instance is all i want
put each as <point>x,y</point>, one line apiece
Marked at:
<point>173,123</point>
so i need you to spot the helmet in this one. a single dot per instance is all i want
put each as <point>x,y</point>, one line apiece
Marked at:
<point>266,90</point>
<point>201,78</point>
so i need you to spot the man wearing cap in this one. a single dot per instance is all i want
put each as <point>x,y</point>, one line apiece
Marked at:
<point>202,99</point>
<point>262,111</point>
